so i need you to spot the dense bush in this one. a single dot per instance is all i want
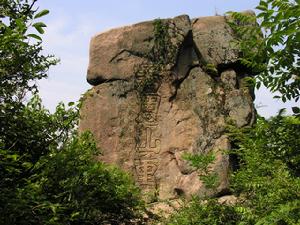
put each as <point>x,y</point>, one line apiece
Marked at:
<point>64,184</point>
<point>207,212</point>
<point>268,178</point>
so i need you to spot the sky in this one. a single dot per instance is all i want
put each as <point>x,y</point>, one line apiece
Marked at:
<point>72,23</point>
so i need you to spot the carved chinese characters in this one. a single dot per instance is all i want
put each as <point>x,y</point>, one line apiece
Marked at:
<point>148,143</point>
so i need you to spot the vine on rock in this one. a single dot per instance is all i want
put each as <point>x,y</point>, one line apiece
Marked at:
<point>161,59</point>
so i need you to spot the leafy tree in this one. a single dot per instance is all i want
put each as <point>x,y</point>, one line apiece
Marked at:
<point>48,174</point>
<point>21,64</point>
<point>21,61</point>
<point>23,138</point>
<point>273,47</point>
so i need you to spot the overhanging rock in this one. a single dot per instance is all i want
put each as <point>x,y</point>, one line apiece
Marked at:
<point>163,89</point>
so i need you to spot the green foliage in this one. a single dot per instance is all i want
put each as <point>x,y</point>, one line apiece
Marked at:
<point>164,50</point>
<point>161,59</point>
<point>26,132</point>
<point>266,183</point>
<point>30,134</point>
<point>279,136</point>
<point>268,178</point>
<point>272,48</point>
<point>211,69</point>
<point>21,61</point>
<point>208,212</point>
<point>48,173</point>
<point>202,163</point>
<point>68,186</point>
<point>32,130</point>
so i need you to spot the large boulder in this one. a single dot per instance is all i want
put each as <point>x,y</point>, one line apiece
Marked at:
<point>115,54</point>
<point>153,104</point>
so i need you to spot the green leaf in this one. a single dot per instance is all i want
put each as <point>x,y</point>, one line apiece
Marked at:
<point>39,24</point>
<point>14,157</point>
<point>296,110</point>
<point>35,36</point>
<point>283,99</point>
<point>41,13</point>
<point>74,214</point>
<point>258,84</point>
<point>265,4</point>
<point>262,8</point>
<point>39,27</point>
<point>27,165</point>
<point>20,23</point>
<point>53,208</point>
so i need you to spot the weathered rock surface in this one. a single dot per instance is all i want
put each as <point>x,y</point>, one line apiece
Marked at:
<point>117,53</point>
<point>146,113</point>
<point>214,38</point>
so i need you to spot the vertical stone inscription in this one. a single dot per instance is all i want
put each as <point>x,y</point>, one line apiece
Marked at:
<point>148,79</point>
<point>148,144</point>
